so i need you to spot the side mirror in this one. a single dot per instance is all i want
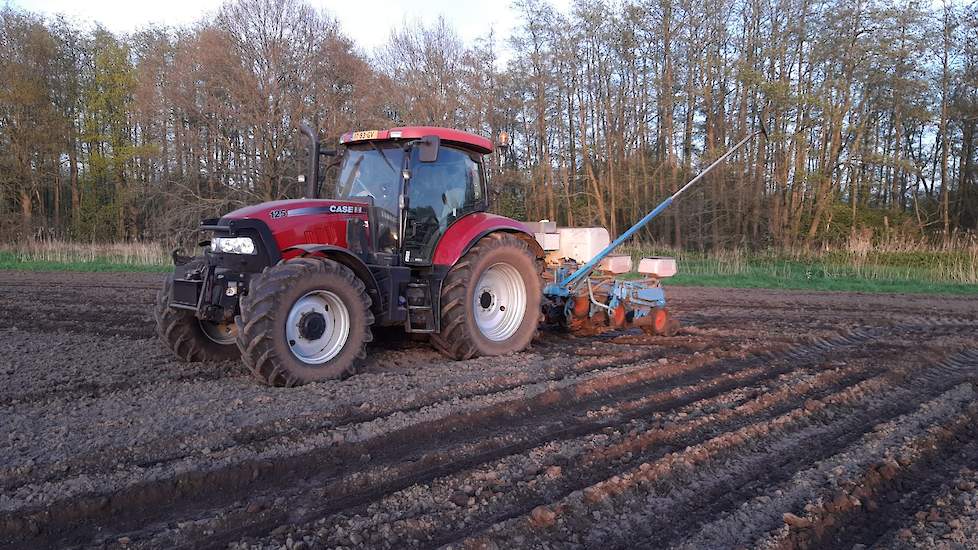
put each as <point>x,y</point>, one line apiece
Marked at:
<point>429,148</point>
<point>503,141</point>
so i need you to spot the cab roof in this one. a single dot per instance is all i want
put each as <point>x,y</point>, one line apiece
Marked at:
<point>466,140</point>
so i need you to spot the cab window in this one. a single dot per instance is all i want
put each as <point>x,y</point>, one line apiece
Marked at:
<point>371,171</point>
<point>438,194</point>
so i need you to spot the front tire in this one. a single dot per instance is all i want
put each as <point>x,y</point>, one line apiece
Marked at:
<point>190,338</point>
<point>490,301</point>
<point>304,320</point>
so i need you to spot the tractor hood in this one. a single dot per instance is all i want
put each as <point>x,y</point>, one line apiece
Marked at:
<point>270,212</point>
<point>305,221</point>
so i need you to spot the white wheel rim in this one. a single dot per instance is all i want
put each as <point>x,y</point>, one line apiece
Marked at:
<point>318,348</point>
<point>499,302</point>
<point>220,333</point>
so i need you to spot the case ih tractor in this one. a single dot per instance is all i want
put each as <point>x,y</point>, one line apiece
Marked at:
<point>293,287</point>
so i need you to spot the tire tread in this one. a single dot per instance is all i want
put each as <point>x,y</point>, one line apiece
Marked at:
<point>255,323</point>
<point>178,331</point>
<point>454,340</point>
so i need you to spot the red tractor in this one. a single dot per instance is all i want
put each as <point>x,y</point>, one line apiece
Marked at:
<point>293,287</point>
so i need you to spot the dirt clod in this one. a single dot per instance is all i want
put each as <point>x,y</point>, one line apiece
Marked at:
<point>543,516</point>
<point>460,498</point>
<point>796,521</point>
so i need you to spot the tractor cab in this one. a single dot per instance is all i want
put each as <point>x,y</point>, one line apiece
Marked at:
<point>417,183</point>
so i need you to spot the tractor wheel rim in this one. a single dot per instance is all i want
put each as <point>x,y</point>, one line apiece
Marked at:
<point>499,302</point>
<point>222,333</point>
<point>332,330</point>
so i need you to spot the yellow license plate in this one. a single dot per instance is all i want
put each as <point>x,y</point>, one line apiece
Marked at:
<point>365,134</point>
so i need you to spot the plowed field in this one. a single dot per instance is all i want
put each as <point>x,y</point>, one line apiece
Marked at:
<point>772,420</point>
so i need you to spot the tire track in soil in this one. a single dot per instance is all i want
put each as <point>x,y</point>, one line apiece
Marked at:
<point>900,499</point>
<point>787,445</point>
<point>917,391</point>
<point>896,487</point>
<point>806,492</point>
<point>167,450</point>
<point>946,517</point>
<point>436,474</point>
<point>128,506</point>
<point>580,470</point>
<point>214,544</point>
<point>647,363</point>
<point>128,379</point>
<point>732,483</point>
<point>837,514</point>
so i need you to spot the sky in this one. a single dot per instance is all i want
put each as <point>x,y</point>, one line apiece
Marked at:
<point>367,22</point>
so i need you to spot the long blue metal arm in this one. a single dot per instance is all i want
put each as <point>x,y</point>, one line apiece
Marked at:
<point>587,268</point>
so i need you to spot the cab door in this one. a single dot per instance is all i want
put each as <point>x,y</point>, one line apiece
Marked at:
<point>439,193</point>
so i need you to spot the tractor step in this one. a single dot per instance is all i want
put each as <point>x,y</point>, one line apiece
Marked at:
<point>420,320</point>
<point>420,314</point>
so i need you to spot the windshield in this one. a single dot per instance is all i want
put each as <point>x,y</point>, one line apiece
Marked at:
<point>371,171</point>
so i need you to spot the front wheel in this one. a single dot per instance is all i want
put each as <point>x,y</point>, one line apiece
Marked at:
<point>490,301</point>
<point>304,320</point>
<point>188,337</point>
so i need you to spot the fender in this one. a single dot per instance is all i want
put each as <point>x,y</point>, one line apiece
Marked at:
<point>465,232</point>
<point>345,257</point>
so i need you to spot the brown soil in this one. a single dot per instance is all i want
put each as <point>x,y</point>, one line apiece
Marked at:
<point>772,420</point>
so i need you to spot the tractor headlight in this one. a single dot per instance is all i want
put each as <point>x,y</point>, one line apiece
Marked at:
<point>233,245</point>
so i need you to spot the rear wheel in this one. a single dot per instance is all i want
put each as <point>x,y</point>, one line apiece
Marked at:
<point>190,338</point>
<point>304,320</point>
<point>490,301</point>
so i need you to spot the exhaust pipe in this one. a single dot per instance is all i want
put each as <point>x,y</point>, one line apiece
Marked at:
<point>312,172</point>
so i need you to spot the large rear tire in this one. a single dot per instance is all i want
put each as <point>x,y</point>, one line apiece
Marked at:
<point>304,320</point>
<point>490,301</point>
<point>190,338</point>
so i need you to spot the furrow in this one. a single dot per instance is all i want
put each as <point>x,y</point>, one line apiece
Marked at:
<point>570,465</point>
<point>331,454</point>
<point>266,435</point>
<point>781,508</point>
<point>655,524</point>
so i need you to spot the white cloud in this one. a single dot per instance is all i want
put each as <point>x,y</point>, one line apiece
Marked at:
<point>121,16</point>
<point>368,22</point>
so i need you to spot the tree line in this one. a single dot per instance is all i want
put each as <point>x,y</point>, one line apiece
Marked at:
<point>870,109</point>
